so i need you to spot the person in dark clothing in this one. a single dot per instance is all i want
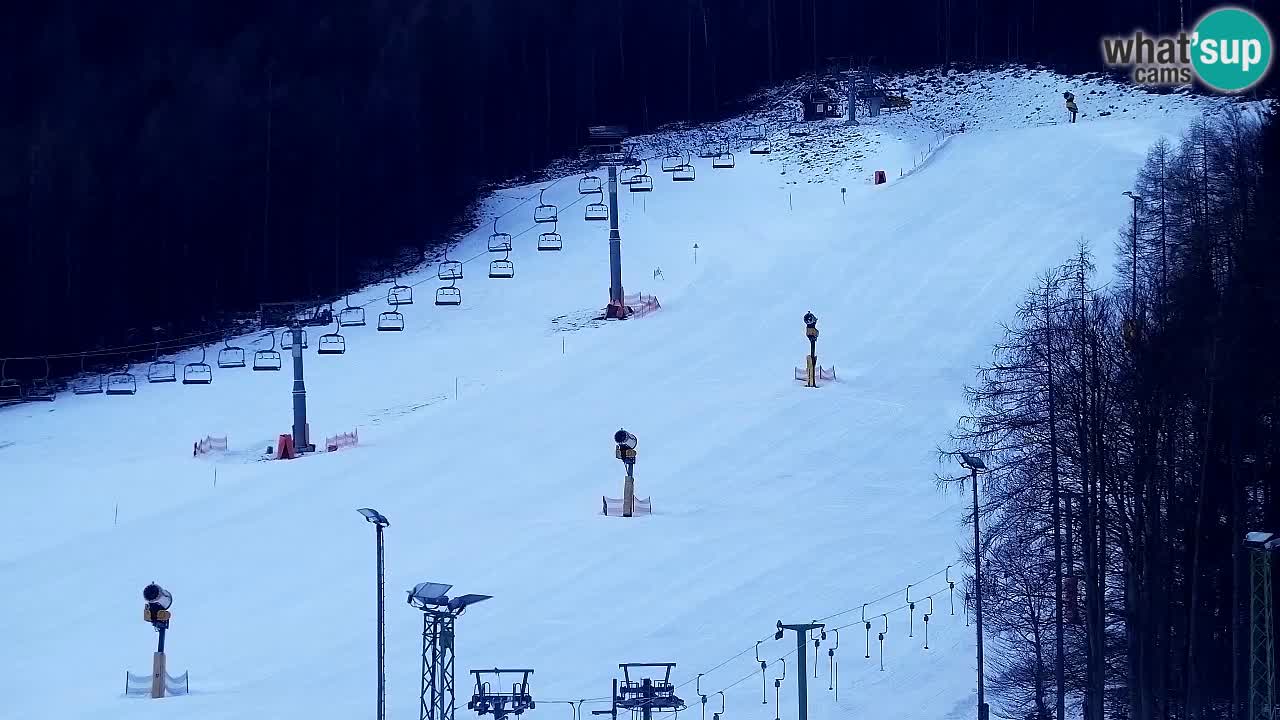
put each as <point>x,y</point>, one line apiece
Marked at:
<point>1071,105</point>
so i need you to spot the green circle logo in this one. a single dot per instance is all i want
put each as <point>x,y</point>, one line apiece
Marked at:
<point>1232,49</point>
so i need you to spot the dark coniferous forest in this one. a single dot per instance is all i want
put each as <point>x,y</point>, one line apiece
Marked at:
<point>167,166</point>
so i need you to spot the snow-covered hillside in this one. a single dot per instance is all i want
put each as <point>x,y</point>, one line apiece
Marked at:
<point>486,429</point>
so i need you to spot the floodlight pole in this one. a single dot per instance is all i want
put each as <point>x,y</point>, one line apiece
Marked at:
<point>382,632</point>
<point>301,442</point>
<point>1262,663</point>
<point>802,635</point>
<point>617,308</point>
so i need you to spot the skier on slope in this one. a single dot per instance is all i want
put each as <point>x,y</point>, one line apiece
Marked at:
<point>1071,105</point>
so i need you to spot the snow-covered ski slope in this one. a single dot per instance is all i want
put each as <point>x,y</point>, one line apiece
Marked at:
<point>772,501</point>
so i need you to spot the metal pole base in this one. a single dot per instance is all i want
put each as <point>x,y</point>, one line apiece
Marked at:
<point>157,675</point>
<point>616,311</point>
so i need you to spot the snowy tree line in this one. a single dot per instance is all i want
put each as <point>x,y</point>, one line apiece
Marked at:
<point>1133,436</point>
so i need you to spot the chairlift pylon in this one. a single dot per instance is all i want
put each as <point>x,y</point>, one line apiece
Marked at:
<point>267,360</point>
<point>351,316</point>
<point>122,383</point>
<point>596,211</point>
<point>161,371</point>
<point>87,384</point>
<point>197,373</point>
<point>545,212</point>
<point>449,295</point>
<point>499,241</point>
<point>230,356</point>
<point>589,184</point>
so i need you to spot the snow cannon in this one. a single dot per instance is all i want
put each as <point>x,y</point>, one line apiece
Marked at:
<point>628,505</point>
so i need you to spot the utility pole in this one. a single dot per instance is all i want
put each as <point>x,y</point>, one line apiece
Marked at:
<point>802,635</point>
<point>974,465</point>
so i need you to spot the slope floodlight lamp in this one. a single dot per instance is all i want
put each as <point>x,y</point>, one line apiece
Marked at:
<point>156,595</point>
<point>971,462</point>
<point>429,593</point>
<point>374,517</point>
<point>624,439</point>
<point>1264,541</point>
<point>462,602</point>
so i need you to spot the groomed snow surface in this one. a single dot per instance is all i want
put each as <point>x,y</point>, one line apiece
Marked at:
<point>771,501</point>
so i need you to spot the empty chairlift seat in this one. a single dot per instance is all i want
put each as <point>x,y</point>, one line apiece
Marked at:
<point>672,163</point>
<point>162,371</point>
<point>230,356</point>
<point>266,360</point>
<point>545,212</point>
<point>588,185</point>
<point>449,270</point>
<point>391,321</point>
<point>499,241</point>
<point>197,373</point>
<point>449,295</point>
<point>122,383</point>
<point>503,269</point>
<point>685,173</point>
<point>399,295</point>
<point>550,241</point>
<point>331,344</point>
<point>351,316</point>
<point>286,339</point>
<point>596,211</point>
<point>724,160</point>
<point>87,383</point>
<point>10,388</point>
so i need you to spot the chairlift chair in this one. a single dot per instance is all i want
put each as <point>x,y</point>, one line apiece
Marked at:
<point>761,148</point>
<point>628,174</point>
<point>87,384</point>
<point>597,210</point>
<point>10,388</point>
<point>398,295</point>
<point>267,359</point>
<point>162,371</point>
<point>723,161</point>
<point>643,182</point>
<point>286,339</point>
<point>588,184</point>
<point>41,388</point>
<point>449,269</point>
<point>351,316</point>
<point>122,383</point>
<point>672,163</point>
<point>502,269</point>
<point>545,212</point>
<point>499,241</point>
<point>331,343</point>
<point>197,373</point>
<point>709,150</point>
<point>449,295</point>
<point>230,356</point>
<point>391,321</point>
<point>685,173</point>
<point>550,241</point>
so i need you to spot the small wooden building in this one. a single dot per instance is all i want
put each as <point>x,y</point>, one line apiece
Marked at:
<point>818,105</point>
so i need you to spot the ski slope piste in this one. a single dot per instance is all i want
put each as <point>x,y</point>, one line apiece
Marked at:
<point>485,438</point>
